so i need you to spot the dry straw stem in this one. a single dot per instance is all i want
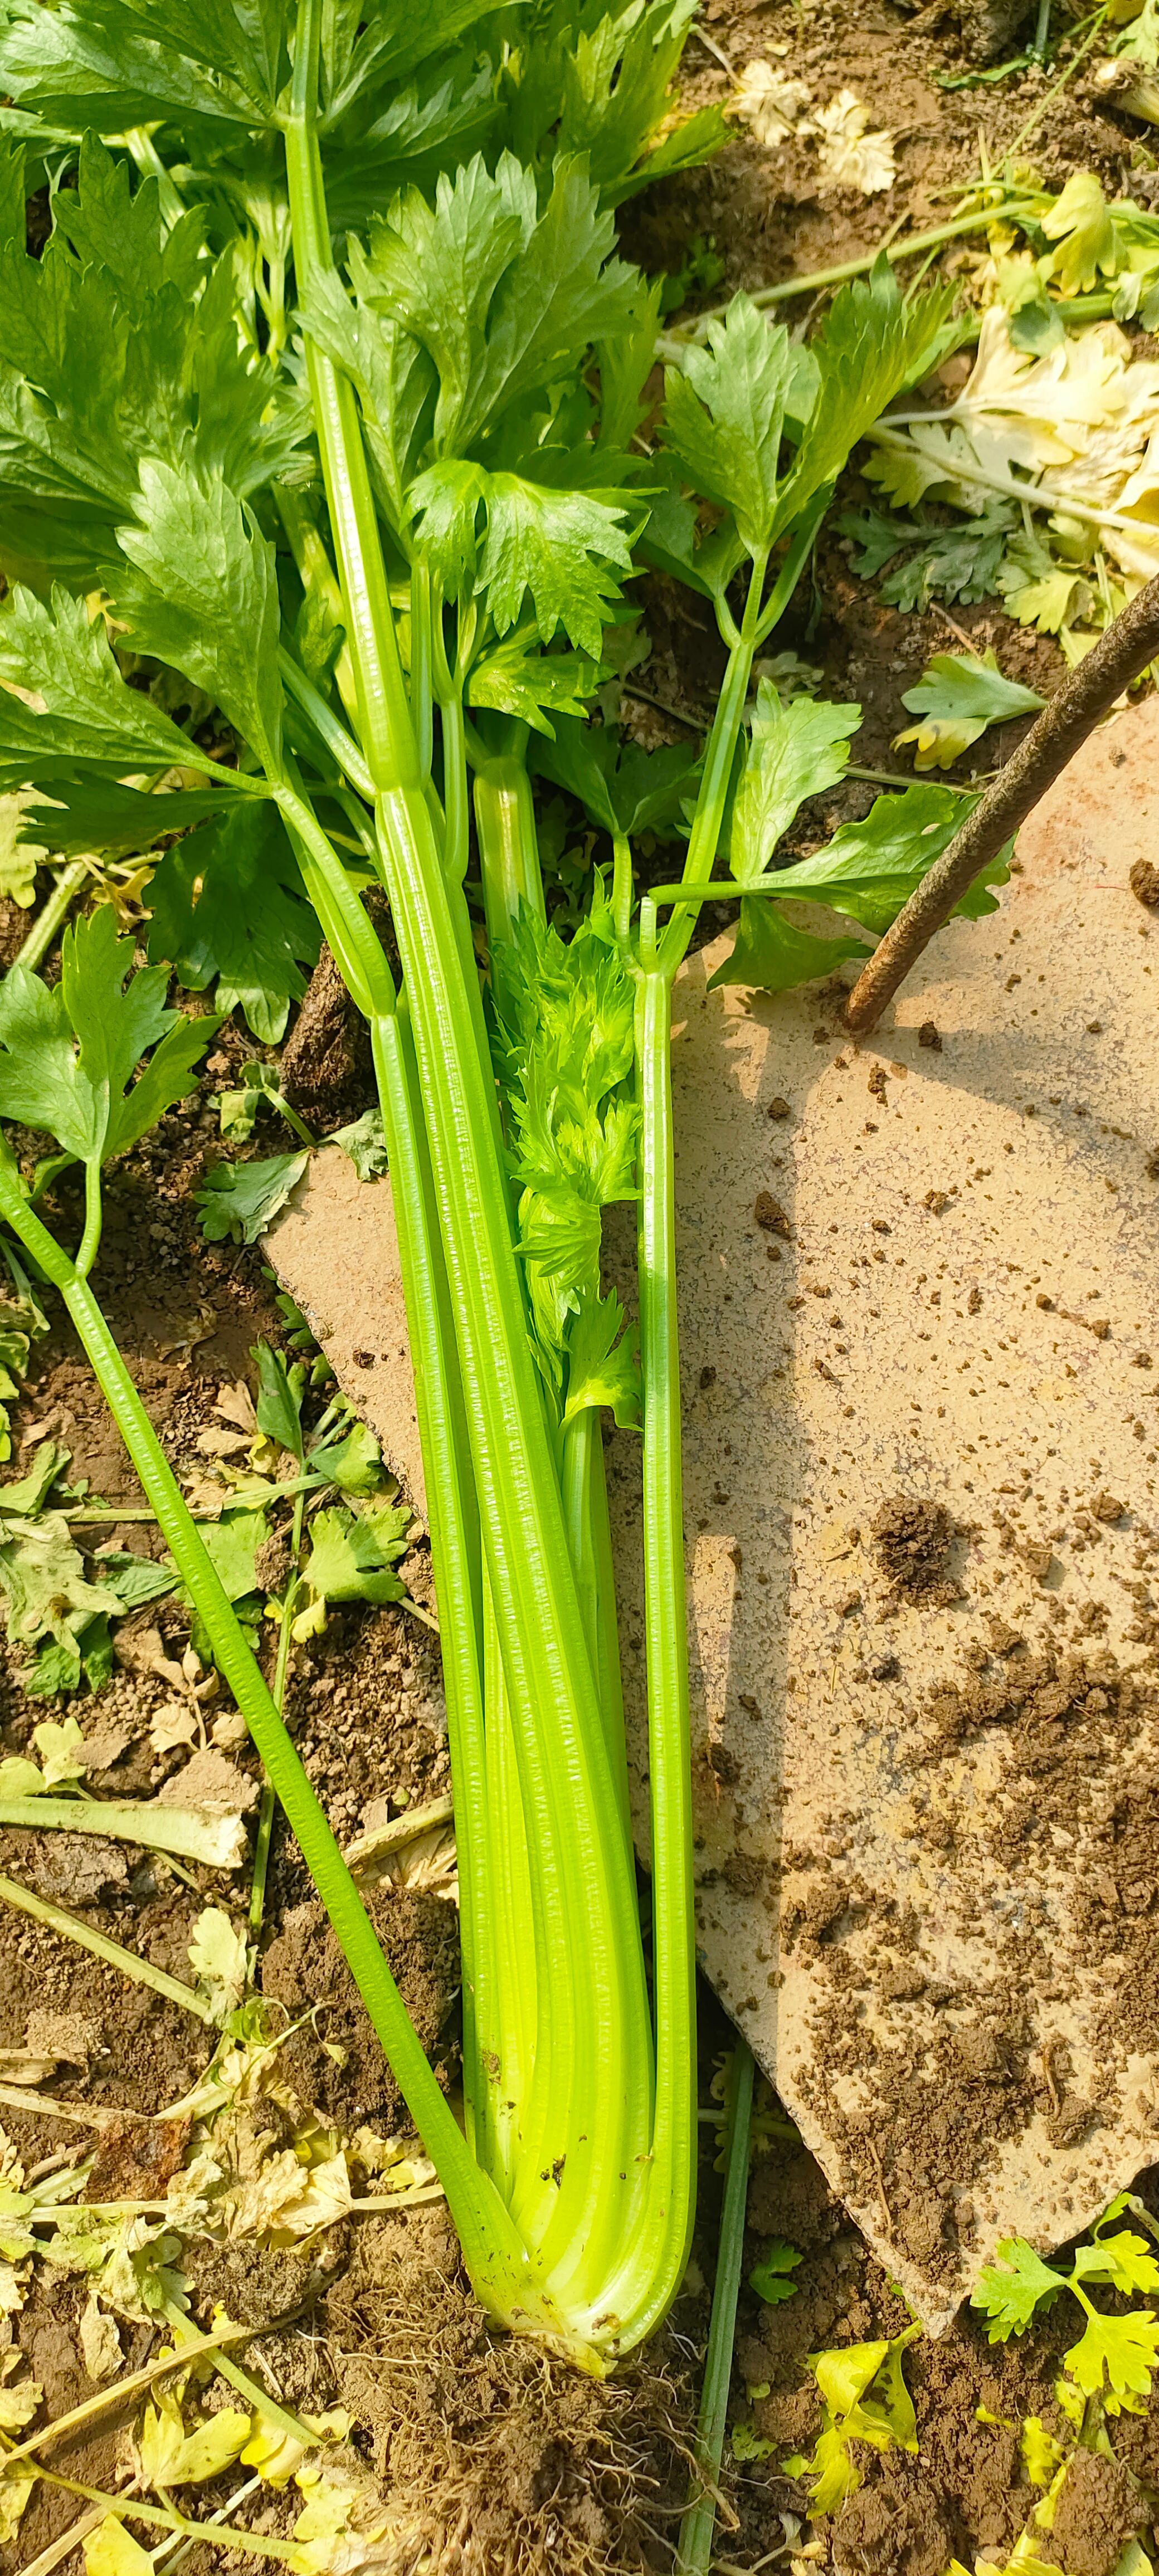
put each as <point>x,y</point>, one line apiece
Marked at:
<point>1126,648</point>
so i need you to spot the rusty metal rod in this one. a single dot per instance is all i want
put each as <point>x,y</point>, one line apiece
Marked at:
<point>1131,641</point>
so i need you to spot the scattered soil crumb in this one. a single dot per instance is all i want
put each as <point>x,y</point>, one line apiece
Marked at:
<point>1098,2511</point>
<point>913,1541</point>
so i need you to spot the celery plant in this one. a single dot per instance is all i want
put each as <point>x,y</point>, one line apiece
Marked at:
<point>383,523</point>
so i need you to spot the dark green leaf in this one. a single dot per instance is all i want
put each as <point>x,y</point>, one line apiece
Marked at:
<point>794,750</point>
<point>227,903</point>
<point>724,412</point>
<point>869,869</point>
<point>773,955</point>
<point>57,653</point>
<point>281,1387</point>
<point>504,297</point>
<point>200,592</point>
<point>871,344</point>
<point>623,788</point>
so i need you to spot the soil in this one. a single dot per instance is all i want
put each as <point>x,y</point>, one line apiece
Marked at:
<point>496,2460</point>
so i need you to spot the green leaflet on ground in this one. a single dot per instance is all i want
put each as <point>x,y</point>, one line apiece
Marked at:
<point>57,1609</point>
<point>957,697</point>
<point>930,563</point>
<point>503,295</point>
<point>227,904</point>
<point>507,540</point>
<point>353,1463</point>
<point>623,788</point>
<point>281,1390</point>
<point>772,2278</point>
<point>364,1142</point>
<point>865,2401</point>
<point>239,1200</point>
<point>1114,2356</point>
<point>232,1544</point>
<point>795,750</point>
<point>56,652</point>
<point>80,1094</point>
<point>352,1557</point>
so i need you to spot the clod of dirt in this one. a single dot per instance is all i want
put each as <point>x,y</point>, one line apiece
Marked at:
<point>1144,883</point>
<point>326,1062</point>
<point>893,2527</point>
<point>778,1108</point>
<point>1099,2509</point>
<point>928,1036</point>
<point>304,1967</point>
<point>771,1215</point>
<point>913,1542</point>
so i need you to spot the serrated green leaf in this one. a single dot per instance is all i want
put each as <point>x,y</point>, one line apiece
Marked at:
<point>1119,2353</point>
<point>564,552</point>
<point>794,751</point>
<point>623,788</point>
<point>773,955</point>
<point>871,344</point>
<point>81,1097</point>
<point>239,1200</point>
<point>227,905</point>
<point>232,1544</point>
<point>772,2278</point>
<point>199,590</point>
<point>724,413</point>
<point>118,63</point>
<point>1009,2291</point>
<point>351,1558</point>
<point>538,688</point>
<point>94,813</point>
<point>869,869</point>
<point>602,1367</point>
<point>505,297</point>
<point>1124,2261</point>
<point>353,1463</point>
<point>58,654</point>
<point>364,1143</point>
<point>1080,221</point>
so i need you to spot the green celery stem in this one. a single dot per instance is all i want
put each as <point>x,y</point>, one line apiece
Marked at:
<point>694,2552</point>
<point>474,2205</point>
<point>508,845</point>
